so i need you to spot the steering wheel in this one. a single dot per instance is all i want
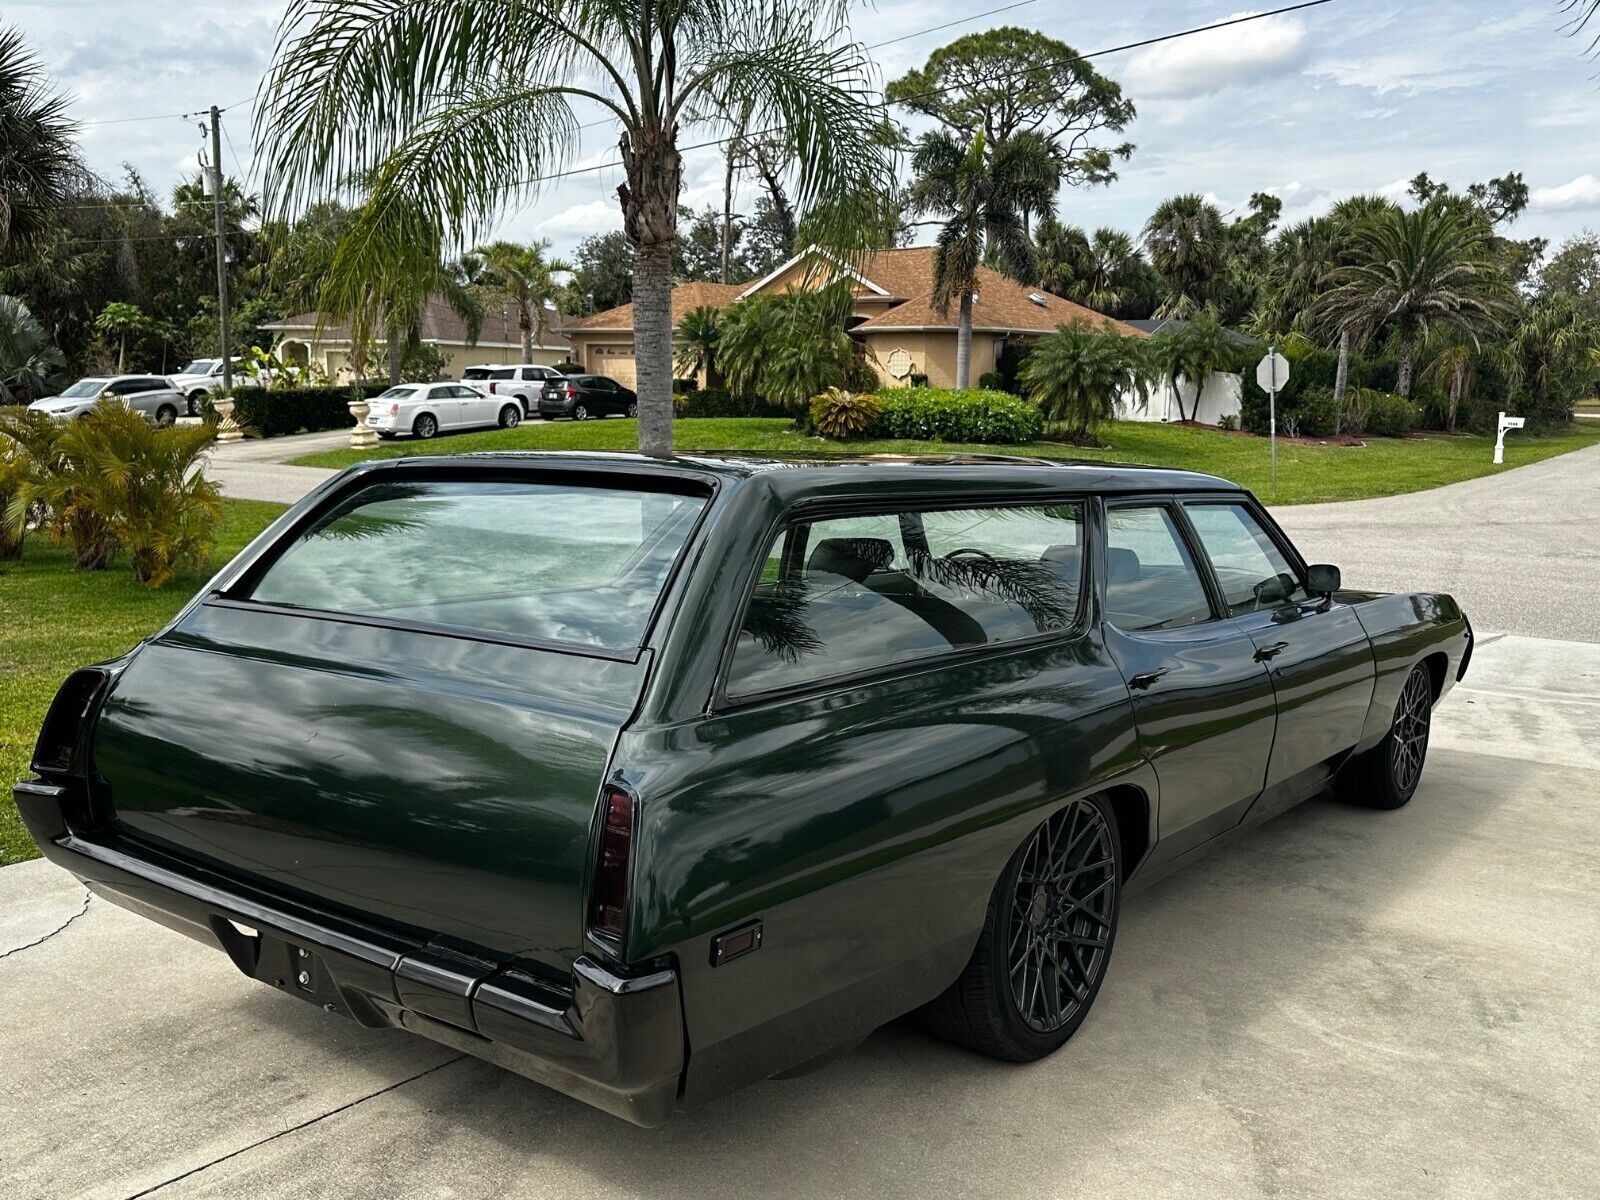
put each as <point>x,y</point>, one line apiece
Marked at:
<point>971,552</point>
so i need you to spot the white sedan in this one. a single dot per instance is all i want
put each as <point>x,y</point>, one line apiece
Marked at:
<point>424,409</point>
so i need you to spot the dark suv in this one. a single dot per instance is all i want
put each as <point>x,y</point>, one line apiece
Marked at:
<point>583,396</point>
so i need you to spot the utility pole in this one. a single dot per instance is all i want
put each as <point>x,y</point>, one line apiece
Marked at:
<point>222,247</point>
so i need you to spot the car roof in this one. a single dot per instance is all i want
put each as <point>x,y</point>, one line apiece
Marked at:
<point>823,473</point>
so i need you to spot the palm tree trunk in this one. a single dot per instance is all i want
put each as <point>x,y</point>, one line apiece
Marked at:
<point>964,340</point>
<point>525,326</point>
<point>396,357</point>
<point>1341,374</point>
<point>1403,383</point>
<point>1457,379</point>
<point>122,354</point>
<point>650,219</point>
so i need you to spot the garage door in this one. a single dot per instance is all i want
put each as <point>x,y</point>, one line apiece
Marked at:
<point>614,362</point>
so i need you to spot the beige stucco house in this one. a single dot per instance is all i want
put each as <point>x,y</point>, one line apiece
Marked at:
<point>306,338</point>
<point>895,317</point>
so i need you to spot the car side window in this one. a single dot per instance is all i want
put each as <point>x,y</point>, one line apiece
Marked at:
<point>1252,571</point>
<point>849,594</point>
<point>1151,578</point>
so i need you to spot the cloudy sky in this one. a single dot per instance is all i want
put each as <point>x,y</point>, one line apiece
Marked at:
<point>1357,95</point>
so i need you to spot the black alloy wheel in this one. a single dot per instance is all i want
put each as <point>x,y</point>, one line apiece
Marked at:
<point>1045,944</point>
<point>1387,775</point>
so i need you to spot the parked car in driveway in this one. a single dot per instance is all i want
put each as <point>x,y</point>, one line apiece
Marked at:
<point>583,396</point>
<point>203,377</point>
<point>424,409</point>
<point>524,381</point>
<point>651,778</point>
<point>152,395</point>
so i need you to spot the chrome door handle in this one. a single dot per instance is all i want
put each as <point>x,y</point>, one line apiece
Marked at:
<point>1271,651</point>
<point>1146,679</point>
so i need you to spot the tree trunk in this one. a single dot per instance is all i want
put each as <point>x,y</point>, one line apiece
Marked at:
<point>1403,383</point>
<point>780,199</point>
<point>1341,374</point>
<point>122,354</point>
<point>1457,380</point>
<point>650,218</point>
<point>734,149</point>
<point>396,357</point>
<point>964,340</point>
<point>525,326</point>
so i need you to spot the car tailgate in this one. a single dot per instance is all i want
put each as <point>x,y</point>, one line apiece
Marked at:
<point>442,784</point>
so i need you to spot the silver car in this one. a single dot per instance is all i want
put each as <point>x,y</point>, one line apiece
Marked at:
<point>151,395</point>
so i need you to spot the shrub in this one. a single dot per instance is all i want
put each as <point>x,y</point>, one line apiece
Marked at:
<point>837,413</point>
<point>27,447</point>
<point>716,402</point>
<point>992,381</point>
<point>944,415</point>
<point>1077,374</point>
<point>1228,421</point>
<point>1310,367</point>
<point>1389,415</point>
<point>115,482</point>
<point>1316,416</point>
<point>296,410</point>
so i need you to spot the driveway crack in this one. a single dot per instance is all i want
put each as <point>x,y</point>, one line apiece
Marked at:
<point>87,896</point>
<point>309,1121</point>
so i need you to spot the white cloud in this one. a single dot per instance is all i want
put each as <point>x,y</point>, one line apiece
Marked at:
<point>1212,62</point>
<point>1582,192</point>
<point>1405,71</point>
<point>580,220</point>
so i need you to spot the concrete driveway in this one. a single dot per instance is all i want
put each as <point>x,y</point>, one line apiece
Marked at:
<point>1345,1003</point>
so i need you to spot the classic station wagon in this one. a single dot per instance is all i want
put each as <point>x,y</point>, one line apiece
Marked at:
<point>648,779</point>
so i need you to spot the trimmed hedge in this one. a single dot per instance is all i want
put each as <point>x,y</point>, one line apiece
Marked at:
<point>298,410</point>
<point>946,415</point>
<point>715,402</point>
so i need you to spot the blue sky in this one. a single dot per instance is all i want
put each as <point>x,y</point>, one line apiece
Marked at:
<point>1357,95</point>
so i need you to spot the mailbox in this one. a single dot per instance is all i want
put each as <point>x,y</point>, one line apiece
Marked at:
<point>1505,425</point>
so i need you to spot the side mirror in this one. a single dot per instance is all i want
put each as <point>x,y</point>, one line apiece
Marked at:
<point>1322,579</point>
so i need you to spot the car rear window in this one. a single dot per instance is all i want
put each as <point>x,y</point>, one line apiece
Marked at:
<point>852,594</point>
<point>543,562</point>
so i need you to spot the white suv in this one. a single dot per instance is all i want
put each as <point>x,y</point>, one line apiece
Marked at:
<point>525,381</point>
<point>204,376</point>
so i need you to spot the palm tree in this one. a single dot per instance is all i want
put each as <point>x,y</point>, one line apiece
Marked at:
<point>1192,352</point>
<point>1410,270</point>
<point>529,280</point>
<point>120,321</point>
<point>461,107</point>
<point>1108,272</point>
<point>698,331</point>
<point>39,165</point>
<point>27,359</point>
<point>1077,374</point>
<point>1187,243</point>
<point>986,200</point>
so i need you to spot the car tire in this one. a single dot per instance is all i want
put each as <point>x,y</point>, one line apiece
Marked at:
<point>425,426</point>
<point>1387,775</point>
<point>193,400</point>
<point>580,412</point>
<point>633,409</point>
<point>510,416</point>
<point>1016,1000</point>
<point>166,416</point>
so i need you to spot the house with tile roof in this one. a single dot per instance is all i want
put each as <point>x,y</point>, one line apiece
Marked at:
<point>895,317</point>
<point>312,338</point>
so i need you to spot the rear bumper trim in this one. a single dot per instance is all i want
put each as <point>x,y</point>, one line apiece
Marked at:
<point>611,1040</point>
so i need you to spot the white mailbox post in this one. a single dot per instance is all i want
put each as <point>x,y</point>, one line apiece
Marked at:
<point>1506,424</point>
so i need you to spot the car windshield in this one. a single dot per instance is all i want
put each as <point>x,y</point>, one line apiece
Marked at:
<point>85,387</point>
<point>200,366</point>
<point>543,562</point>
<point>398,393</point>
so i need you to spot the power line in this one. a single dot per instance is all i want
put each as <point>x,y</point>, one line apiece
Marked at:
<point>1003,77</point>
<point>179,116</point>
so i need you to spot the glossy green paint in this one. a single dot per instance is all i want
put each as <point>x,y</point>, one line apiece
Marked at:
<point>448,786</point>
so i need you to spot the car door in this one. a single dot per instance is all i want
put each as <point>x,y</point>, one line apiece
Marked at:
<point>476,408</point>
<point>908,693</point>
<point>601,394</point>
<point>1202,701</point>
<point>1315,648</point>
<point>448,406</point>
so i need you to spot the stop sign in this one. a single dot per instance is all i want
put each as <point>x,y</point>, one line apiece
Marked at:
<point>1272,372</point>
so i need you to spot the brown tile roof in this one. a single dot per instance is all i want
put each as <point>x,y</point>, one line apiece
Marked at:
<point>907,275</point>
<point>685,297</point>
<point>441,324</point>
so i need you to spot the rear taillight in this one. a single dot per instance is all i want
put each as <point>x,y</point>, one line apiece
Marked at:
<point>572,392</point>
<point>60,748</point>
<point>608,904</point>
<point>394,410</point>
<point>494,388</point>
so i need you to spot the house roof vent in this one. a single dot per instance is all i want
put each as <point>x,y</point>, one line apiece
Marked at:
<point>1037,299</point>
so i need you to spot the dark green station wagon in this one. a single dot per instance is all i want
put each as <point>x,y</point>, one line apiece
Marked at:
<point>648,779</point>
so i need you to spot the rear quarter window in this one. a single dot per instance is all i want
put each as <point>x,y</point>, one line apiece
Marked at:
<point>542,562</point>
<point>846,595</point>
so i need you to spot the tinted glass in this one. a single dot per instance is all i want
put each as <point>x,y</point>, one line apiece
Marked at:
<point>503,373</point>
<point>856,593</point>
<point>549,562</point>
<point>200,366</point>
<point>477,373</point>
<point>1252,570</point>
<point>1151,580</point>
<point>397,393</point>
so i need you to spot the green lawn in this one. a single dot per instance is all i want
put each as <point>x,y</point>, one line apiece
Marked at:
<point>54,619</point>
<point>1306,473</point>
